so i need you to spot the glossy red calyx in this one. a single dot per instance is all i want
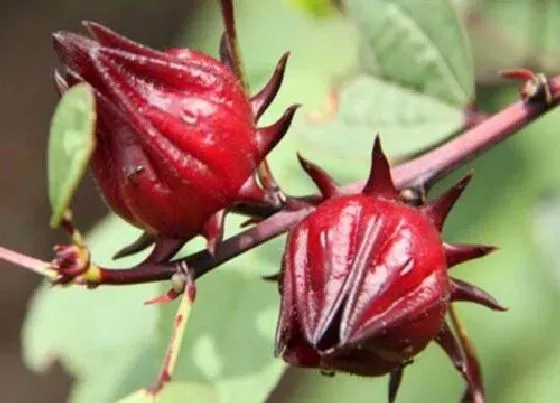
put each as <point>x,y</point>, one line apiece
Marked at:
<point>364,280</point>
<point>176,138</point>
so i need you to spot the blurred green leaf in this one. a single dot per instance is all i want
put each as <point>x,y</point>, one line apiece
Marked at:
<point>406,120</point>
<point>174,392</point>
<point>415,83</point>
<point>418,47</point>
<point>71,142</point>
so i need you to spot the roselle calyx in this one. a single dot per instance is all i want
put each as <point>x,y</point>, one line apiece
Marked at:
<point>364,281</point>
<point>176,136</point>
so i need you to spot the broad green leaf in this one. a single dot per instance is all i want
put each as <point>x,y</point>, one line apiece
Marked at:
<point>404,118</point>
<point>414,84</point>
<point>418,47</point>
<point>71,142</point>
<point>174,392</point>
<point>104,337</point>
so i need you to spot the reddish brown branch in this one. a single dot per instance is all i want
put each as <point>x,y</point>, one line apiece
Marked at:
<point>228,18</point>
<point>426,168</point>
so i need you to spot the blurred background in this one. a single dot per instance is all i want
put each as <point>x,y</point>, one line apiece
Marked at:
<point>514,201</point>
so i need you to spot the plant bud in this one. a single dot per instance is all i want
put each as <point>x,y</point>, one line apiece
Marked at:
<point>176,138</point>
<point>364,281</point>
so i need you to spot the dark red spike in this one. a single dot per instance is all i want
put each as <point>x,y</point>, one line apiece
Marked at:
<point>395,378</point>
<point>143,242</point>
<point>251,192</point>
<point>261,101</point>
<point>164,249</point>
<point>268,137</point>
<point>214,230</point>
<point>225,54</point>
<point>73,50</point>
<point>456,254</point>
<point>111,39</point>
<point>447,341</point>
<point>438,209</point>
<point>60,82</point>
<point>463,291</point>
<point>324,182</point>
<point>379,181</point>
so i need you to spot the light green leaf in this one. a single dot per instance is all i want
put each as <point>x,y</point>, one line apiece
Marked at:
<point>406,120</point>
<point>174,392</point>
<point>415,82</point>
<point>418,47</point>
<point>71,143</point>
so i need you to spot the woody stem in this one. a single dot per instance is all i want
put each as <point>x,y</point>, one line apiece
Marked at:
<point>426,168</point>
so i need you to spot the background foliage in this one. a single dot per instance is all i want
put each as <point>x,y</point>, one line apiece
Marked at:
<point>395,67</point>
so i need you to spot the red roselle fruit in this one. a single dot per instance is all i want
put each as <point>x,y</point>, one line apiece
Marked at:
<point>176,138</point>
<point>364,281</point>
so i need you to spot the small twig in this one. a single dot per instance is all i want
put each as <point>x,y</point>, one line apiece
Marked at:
<point>228,18</point>
<point>176,339</point>
<point>235,62</point>
<point>38,266</point>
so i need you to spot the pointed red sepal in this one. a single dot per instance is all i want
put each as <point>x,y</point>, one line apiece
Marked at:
<point>111,39</point>
<point>252,192</point>
<point>60,82</point>
<point>324,182</point>
<point>456,254</point>
<point>166,298</point>
<point>213,230</point>
<point>268,137</point>
<point>438,209</point>
<point>395,378</point>
<point>164,249</point>
<point>225,54</point>
<point>261,101</point>
<point>379,181</point>
<point>465,362</point>
<point>463,291</point>
<point>143,242</point>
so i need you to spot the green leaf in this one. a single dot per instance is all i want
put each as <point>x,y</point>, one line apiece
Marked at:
<point>175,392</point>
<point>419,47</point>
<point>406,120</point>
<point>71,143</point>
<point>413,86</point>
